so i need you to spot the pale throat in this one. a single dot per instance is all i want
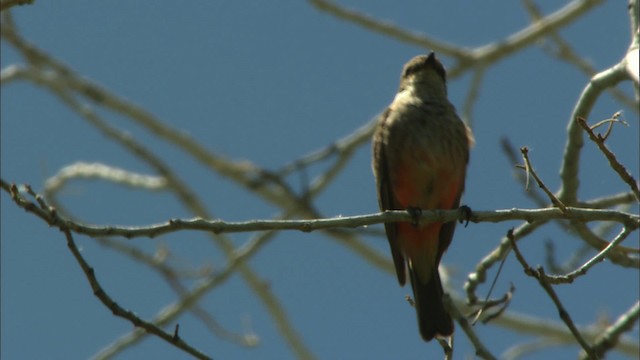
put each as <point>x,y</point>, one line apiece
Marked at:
<point>414,92</point>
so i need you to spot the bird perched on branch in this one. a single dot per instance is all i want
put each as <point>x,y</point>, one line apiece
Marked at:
<point>420,156</point>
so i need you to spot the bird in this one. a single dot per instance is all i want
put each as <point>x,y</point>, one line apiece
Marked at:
<point>420,155</point>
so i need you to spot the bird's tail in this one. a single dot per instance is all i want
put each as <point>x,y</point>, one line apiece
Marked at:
<point>433,319</point>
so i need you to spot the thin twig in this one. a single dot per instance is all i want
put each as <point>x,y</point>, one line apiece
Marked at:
<point>619,255</point>
<point>387,28</point>
<point>609,201</point>
<point>447,346</point>
<point>582,270</point>
<point>171,276</point>
<point>477,277</point>
<point>611,335</point>
<point>611,157</point>
<point>481,350</point>
<point>518,351</point>
<point>564,314</point>
<point>529,168</point>
<point>117,310</point>
<point>486,304</point>
<point>244,172</point>
<point>598,257</point>
<point>510,152</point>
<point>502,48</point>
<point>546,285</point>
<point>565,52</point>
<point>187,300</point>
<point>486,54</point>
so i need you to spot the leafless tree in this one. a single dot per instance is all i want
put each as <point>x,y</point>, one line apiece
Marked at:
<point>562,206</point>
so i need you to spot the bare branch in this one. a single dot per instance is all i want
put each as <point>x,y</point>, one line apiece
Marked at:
<point>611,157</point>
<point>612,334</point>
<point>546,285</point>
<point>117,310</point>
<point>62,77</point>
<point>609,201</point>
<point>492,53</point>
<point>219,226</point>
<point>631,59</point>
<point>510,152</point>
<point>298,208</point>
<point>387,28</point>
<point>565,52</point>
<point>529,169</point>
<point>486,54</point>
<point>481,350</point>
<point>187,300</point>
<point>172,276</point>
<point>478,277</point>
<point>573,148</point>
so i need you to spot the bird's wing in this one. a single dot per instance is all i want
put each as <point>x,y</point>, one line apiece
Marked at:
<point>385,195</point>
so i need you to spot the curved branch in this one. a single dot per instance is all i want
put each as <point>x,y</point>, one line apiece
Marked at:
<point>572,150</point>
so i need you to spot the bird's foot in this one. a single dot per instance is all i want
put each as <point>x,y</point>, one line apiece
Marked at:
<point>466,214</point>
<point>415,213</point>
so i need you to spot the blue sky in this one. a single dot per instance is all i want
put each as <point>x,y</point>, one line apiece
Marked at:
<point>269,83</point>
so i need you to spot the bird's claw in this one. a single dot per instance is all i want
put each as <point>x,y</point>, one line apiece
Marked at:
<point>466,215</point>
<point>415,213</point>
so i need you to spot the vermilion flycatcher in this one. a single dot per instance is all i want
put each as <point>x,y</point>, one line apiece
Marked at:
<point>420,155</point>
